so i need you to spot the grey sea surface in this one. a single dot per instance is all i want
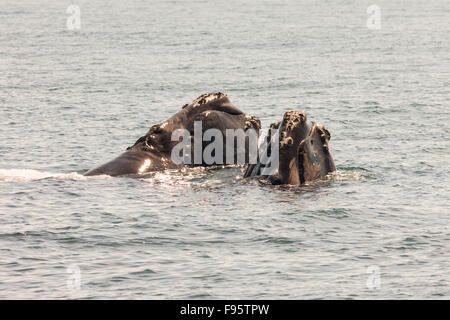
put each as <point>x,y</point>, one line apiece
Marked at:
<point>73,99</point>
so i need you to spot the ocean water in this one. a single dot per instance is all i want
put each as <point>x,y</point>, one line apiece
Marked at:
<point>74,99</point>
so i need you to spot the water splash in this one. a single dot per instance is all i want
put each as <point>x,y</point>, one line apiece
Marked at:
<point>353,173</point>
<point>203,177</point>
<point>28,175</point>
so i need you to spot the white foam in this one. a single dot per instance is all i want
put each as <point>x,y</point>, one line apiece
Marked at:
<point>26,175</point>
<point>352,175</point>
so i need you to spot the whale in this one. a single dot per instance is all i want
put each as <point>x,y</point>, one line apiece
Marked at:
<point>153,151</point>
<point>303,151</point>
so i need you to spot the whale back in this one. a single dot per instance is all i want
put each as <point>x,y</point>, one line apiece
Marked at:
<point>158,138</point>
<point>214,110</point>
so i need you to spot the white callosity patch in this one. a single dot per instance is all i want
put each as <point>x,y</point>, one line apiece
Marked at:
<point>208,97</point>
<point>163,125</point>
<point>252,122</point>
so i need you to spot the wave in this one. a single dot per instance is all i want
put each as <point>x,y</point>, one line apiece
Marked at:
<point>27,175</point>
